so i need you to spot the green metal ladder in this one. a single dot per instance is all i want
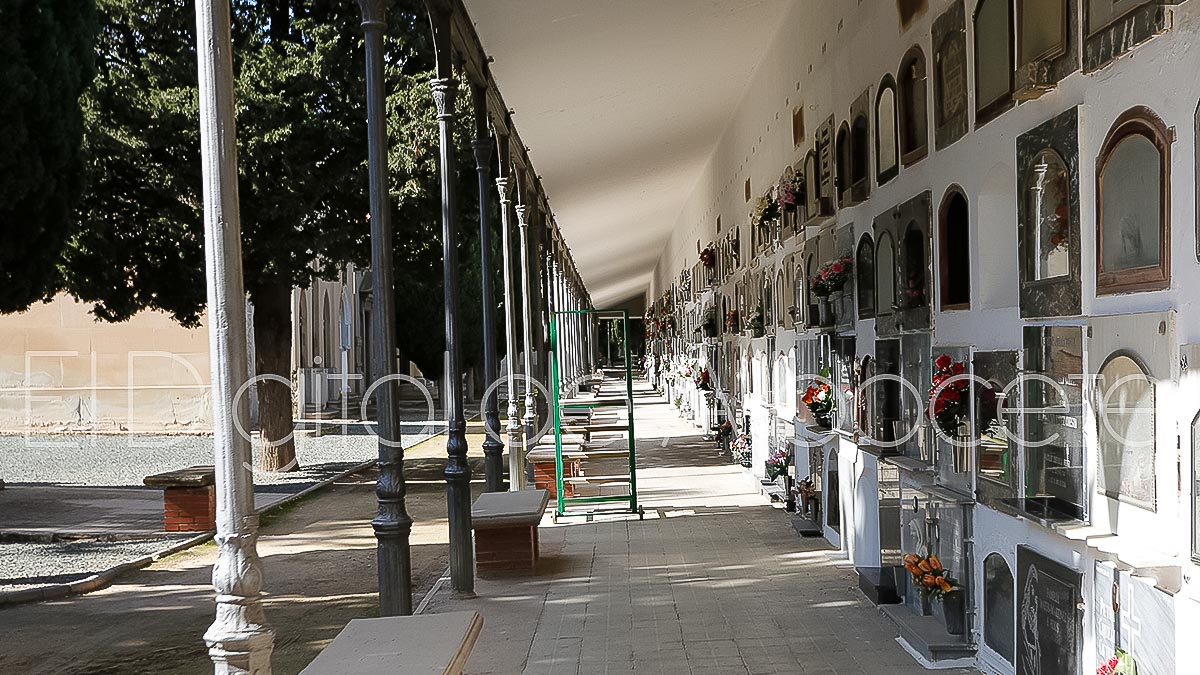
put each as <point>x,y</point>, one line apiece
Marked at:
<point>630,501</point>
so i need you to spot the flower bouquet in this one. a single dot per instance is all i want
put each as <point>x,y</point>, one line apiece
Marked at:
<point>703,380</point>
<point>777,464</point>
<point>708,257</point>
<point>949,407</point>
<point>928,576</point>
<point>832,276</point>
<point>819,400</point>
<point>766,209</point>
<point>741,450</point>
<point>1121,663</point>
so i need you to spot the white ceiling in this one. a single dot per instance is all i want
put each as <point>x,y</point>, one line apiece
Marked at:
<point>621,103</point>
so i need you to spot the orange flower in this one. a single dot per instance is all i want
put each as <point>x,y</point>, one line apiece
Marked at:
<point>928,580</point>
<point>911,559</point>
<point>935,563</point>
<point>944,585</point>
<point>924,565</point>
<point>912,569</point>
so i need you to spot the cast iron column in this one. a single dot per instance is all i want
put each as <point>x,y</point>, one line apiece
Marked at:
<point>530,417</point>
<point>516,470</point>
<point>238,640</point>
<point>457,472</point>
<point>392,524</point>
<point>493,449</point>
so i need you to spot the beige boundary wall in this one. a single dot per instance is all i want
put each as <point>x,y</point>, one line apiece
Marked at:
<point>62,370</point>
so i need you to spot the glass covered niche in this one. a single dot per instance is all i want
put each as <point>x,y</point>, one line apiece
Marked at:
<point>885,274</point>
<point>1125,415</point>
<point>993,58</point>
<point>1043,33</point>
<point>1131,191</point>
<point>865,269</point>
<point>886,149</point>
<point>1050,209</point>
<point>999,607</point>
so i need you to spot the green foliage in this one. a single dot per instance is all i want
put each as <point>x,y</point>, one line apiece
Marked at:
<point>301,94</point>
<point>45,64</point>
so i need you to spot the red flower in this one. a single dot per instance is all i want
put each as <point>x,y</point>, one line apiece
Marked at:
<point>958,368</point>
<point>837,268</point>
<point>943,362</point>
<point>825,274</point>
<point>950,394</point>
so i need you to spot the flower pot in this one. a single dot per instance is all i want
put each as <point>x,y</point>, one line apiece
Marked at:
<point>952,607</point>
<point>824,311</point>
<point>774,471</point>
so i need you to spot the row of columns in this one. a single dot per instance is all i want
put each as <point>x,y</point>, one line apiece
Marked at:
<point>539,279</point>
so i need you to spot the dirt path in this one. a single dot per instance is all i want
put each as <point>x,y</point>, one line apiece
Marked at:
<point>319,564</point>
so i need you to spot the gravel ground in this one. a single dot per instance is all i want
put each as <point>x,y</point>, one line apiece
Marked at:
<point>119,460</point>
<point>30,564</point>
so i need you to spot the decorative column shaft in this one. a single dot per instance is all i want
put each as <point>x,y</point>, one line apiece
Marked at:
<point>516,464</point>
<point>493,449</point>
<point>529,419</point>
<point>457,472</point>
<point>239,641</point>
<point>392,524</point>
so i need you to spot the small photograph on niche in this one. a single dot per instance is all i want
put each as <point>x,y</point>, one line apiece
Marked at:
<point>910,10</point>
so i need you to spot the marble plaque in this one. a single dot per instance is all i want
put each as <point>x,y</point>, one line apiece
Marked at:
<point>950,76</point>
<point>1049,622</point>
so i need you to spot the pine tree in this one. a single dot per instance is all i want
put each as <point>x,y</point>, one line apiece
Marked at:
<point>45,64</point>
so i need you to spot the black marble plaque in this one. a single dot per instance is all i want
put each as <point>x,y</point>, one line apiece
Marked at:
<point>1049,621</point>
<point>1057,295</point>
<point>860,148</point>
<point>1114,27</point>
<point>950,76</point>
<point>826,185</point>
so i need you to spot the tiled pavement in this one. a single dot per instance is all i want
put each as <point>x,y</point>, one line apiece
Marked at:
<point>713,582</point>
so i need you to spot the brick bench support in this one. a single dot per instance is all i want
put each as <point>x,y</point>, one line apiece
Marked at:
<point>189,498</point>
<point>506,529</point>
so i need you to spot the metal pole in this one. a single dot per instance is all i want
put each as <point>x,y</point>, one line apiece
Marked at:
<point>493,449</point>
<point>457,472</point>
<point>392,523</point>
<point>516,469</point>
<point>239,640</point>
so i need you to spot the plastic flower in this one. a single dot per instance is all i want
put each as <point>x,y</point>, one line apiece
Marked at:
<point>943,362</point>
<point>935,563</point>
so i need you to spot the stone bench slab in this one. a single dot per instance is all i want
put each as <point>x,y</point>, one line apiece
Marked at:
<point>509,509</point>
<point>428,644</point>
<point>191,477</point>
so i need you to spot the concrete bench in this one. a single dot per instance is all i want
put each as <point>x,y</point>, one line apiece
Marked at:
<point>506,529</point>
<point>189,498</point>
<point>427,644</point>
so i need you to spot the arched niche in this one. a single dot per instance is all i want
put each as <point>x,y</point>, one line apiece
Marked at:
<point>913,265</point>
<point>1049,244</point>
<point>954,251</point>
<point>864,269</point>
<point>887,147</point>
<point>1126,420</point>
<point>885,274</point>
<point>914,124</point>
<point>1133,210</point>
<point>833,498</point>
<point>845,157</point>
<point>993,59</point>
<point>999,607</point>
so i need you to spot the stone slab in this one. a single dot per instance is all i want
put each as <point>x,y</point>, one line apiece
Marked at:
<point>431,644</point>
<point>507,509</point>
<point>193,476</point>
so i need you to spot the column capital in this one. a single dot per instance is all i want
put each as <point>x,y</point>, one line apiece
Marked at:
<point>502,185</point>
<point>444,91</point>
<point>482,146</point>
<point>374,13</point>
<point>522,215</point>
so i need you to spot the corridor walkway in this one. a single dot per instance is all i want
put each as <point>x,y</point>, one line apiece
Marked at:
<point>713,582</point>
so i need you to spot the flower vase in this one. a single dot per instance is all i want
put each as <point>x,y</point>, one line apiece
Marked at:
<point>824,310</point>
<point>952,607</point>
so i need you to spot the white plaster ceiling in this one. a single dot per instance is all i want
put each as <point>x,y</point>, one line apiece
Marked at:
<point>621,103</point>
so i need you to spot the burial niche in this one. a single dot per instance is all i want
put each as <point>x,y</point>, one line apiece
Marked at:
<point>1133,210</point>
<point>954,248</point>
<point>864,262</point>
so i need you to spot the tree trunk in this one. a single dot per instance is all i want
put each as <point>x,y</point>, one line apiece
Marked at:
<point>273,353</point>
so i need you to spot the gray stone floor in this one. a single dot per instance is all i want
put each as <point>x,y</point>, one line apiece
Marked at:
<point>713,582</point>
